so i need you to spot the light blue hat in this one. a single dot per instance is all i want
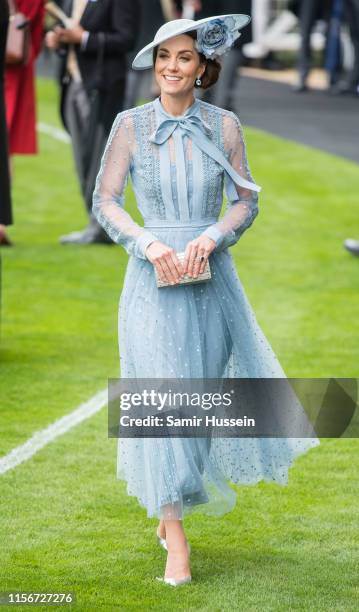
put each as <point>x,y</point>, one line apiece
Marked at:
<point>215,36</point>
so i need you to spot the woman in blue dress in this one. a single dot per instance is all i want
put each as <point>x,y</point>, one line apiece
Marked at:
<point>181,153</point>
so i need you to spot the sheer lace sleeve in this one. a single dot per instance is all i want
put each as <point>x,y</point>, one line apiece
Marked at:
<point>108,197</point>
<point>242,205</point>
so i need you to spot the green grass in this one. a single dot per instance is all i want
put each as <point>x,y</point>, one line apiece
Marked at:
<point>67,523</point>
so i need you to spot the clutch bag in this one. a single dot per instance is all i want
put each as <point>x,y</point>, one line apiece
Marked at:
<point>185,280</point>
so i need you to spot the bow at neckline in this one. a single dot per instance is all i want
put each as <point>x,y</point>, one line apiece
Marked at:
<point>192,124</point>
<point>188,123</point>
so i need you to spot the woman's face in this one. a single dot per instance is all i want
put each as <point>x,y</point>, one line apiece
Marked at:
<point>177,57</point>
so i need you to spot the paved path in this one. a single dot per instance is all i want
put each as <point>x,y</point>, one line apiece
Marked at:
<point>315,118</point>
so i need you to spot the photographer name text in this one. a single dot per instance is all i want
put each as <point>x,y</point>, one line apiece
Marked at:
<point>195,421</point>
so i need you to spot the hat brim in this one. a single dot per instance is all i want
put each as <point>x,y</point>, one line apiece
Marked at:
<point>143,58</point>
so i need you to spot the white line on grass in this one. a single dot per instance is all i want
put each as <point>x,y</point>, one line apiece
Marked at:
<point>84,411</point>
<point>58,428</point>
<point>54,132</point>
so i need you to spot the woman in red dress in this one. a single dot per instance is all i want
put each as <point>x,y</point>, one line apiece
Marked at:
<point>20,89</point>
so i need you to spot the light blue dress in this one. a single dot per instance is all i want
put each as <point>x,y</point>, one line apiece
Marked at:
<point>179,166</point>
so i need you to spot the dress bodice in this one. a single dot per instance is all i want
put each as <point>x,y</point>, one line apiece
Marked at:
<point>178,166</point>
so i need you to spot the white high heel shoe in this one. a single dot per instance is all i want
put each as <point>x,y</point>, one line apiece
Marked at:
<point>173,581</point>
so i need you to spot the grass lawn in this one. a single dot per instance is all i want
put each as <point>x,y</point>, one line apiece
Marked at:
<point>67,523</point>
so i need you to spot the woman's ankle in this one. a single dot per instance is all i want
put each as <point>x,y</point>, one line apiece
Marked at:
<point>177,544</point>
<point>161,529</point>
<point>177,565</point>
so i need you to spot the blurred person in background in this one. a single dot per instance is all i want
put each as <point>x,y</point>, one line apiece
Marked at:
<point>262,23</point>
<point>5,197</point>
<point>93,49</point>
<point>222,93</point>
<point>169,9</point>
<point>178,8</point>
<point>151,18</point>
<point>350,83</point>
<point>309,12</point>
<point>334,55</point>
<point>20,91</point>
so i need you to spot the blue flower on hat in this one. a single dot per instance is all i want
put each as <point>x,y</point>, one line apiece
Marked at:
<point>216,37</point>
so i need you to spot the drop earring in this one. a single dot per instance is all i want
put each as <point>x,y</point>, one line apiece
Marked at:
<point>198,81</point>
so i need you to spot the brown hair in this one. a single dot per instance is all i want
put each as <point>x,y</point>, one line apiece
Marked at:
<point>213,66</point>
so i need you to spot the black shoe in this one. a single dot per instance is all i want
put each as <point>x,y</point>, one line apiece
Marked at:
<point>300,86</point>
<point>87,236</point>
<point>4,239</point>
<point>352,246</point>
<point>344,88</point>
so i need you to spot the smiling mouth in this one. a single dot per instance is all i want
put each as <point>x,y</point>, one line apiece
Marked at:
<point>171,79</point>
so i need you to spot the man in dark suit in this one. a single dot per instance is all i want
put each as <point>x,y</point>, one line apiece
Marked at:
<point>5,199</point>
<point>140,82</point>
<point>93,66</point>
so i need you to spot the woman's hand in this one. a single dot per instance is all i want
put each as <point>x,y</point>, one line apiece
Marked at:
<point>200,246</point>
<point>165,260</point>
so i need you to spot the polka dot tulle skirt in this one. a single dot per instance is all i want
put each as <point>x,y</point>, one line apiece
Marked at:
<point>204,330</point>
